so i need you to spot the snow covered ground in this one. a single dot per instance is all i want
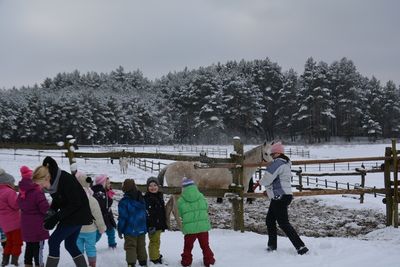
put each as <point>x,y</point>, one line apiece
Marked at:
<point>380,247</point>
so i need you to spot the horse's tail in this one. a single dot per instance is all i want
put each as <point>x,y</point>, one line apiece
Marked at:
<point>161,174</point>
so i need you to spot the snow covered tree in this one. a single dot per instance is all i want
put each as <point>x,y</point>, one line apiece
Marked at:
<point>287,105</point>
<point>372,102</point>
<point>391,110</point>
<point>241,102</point>
<point>345,84</point>
<point>314,97</point>
<point>267,76</point>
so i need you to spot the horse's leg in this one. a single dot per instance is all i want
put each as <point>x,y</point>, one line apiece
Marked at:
<point>168,210</point>
<point>250,190</point>
<point>175,211</point>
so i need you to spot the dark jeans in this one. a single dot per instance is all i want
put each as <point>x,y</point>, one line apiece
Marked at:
<point>278,212</point>
<point>68,234</point>
<point>34,251</point>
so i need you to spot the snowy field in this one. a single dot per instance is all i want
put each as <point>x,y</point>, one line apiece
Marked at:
<point>377,248</point>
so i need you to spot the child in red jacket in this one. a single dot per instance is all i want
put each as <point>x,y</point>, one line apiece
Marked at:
<point>10,220</point>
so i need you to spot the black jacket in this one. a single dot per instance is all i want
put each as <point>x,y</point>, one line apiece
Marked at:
<point>70,200</point>
<point>155,210</point>
<point>99,193</point>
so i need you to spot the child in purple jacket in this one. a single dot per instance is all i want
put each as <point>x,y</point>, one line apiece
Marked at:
<point>33,205</point>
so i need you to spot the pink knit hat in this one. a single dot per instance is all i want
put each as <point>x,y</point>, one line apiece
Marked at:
<point>26,173</point>
<point>277,148</point>
<point>101,179</point>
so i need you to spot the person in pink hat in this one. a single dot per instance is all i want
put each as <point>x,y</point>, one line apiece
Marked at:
<point>104,194</point>
<point>34,206</point>
<point>277,182</point>
<point>10,219</point>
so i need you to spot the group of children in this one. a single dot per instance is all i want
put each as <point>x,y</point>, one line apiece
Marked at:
<point>22,216</point>
<point>140,214</point>
<point>23,219</point>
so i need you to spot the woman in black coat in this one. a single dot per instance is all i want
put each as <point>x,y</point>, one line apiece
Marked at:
<point>69,210</point>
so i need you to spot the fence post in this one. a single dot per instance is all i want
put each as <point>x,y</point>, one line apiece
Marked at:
<point>237,188</point>
<point>362,186</point>
<point>70,153</point>
<point>389,199</point>
<point>395,186</point>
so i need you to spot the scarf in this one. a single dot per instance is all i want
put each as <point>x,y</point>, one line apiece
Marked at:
<point>53,188</point>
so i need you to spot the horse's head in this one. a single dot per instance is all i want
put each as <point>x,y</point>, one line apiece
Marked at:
<point>266,151</point>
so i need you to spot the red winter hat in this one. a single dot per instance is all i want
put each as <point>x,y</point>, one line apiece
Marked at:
<point>277,148</point>
<point>26,173</point>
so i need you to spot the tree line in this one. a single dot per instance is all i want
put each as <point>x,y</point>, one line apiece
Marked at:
<point>255,100</point>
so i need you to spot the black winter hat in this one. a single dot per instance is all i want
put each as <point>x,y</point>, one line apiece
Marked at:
<point>152,179</point>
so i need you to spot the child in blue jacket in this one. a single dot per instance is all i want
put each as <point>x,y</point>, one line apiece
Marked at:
<point>132,223</point>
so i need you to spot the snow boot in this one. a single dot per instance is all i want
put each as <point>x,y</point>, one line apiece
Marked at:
<point>6,260</point>
<point>92,261</point>
<point>302,250</point>
<point>80,261</point>
<point>131,265</point>
<point>271,248</point>
<point>143,263</point>
<point>14,260</point>
<point>157,261</point>
<point>52,261</point>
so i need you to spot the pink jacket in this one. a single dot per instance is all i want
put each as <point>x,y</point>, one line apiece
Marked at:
<point>10,218</point>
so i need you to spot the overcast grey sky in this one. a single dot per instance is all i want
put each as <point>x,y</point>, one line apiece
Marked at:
<point>41,38</point>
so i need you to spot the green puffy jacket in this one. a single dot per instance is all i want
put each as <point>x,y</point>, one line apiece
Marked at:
<point>193,209</point>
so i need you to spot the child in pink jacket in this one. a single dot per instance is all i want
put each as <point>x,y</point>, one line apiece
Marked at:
<point>10,220</point>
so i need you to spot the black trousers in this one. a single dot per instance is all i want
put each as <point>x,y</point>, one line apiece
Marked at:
<point>34,252</point>
<point>278,212</point>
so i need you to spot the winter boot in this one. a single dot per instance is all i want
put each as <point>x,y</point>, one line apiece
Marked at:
<point>302,250</point>
<point>131,265</point>
<point>6,260</point>
<point>52,261</point>
<point>157,261</point>
<point>14,260</point>
<point>92,261</point>
<point>143,263</point>
<point>271,248</point>
<point>80,261</point>
<point>28,265</point>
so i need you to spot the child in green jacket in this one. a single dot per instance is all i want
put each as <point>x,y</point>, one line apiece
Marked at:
<point>193,209</point>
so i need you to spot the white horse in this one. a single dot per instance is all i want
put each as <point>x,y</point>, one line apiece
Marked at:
<point>123,165</point>
<point>208,178</point>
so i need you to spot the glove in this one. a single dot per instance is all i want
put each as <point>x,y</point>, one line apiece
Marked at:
<point>51,219</point>
<point>152,230</point>
<point>120,235</point>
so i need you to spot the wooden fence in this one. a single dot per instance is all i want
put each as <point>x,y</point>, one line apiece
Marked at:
<point>147,165</point>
